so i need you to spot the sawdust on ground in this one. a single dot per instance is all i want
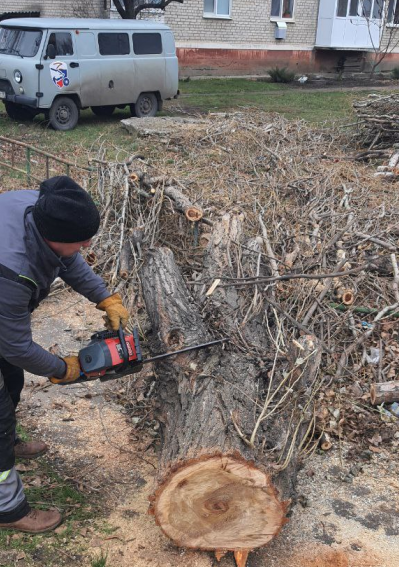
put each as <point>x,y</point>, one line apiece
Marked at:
<point>349,515</point>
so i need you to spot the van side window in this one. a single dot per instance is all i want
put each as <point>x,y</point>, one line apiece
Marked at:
<point>147,43</point>
<point>113,43</point>
<point>62,42</point>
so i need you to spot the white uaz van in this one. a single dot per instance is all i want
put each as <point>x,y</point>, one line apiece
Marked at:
<point>59,66</point>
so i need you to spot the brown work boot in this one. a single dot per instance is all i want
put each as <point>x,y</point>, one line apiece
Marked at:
<point>35,522</point>
<point>29,449</point>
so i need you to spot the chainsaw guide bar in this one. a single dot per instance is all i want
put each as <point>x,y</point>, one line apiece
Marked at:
<point>113,354</point>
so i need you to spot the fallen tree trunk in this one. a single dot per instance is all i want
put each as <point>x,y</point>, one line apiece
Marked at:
<point>231,435</point>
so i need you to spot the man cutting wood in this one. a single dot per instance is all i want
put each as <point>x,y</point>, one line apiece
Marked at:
<point>41,234</point>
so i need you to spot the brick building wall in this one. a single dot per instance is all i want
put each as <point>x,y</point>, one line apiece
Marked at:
<point>246,42</point>
<point>250,24</point>
<point>56,8</point>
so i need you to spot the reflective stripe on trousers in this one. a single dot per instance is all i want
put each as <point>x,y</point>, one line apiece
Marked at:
<point>4,475</point>
<point>11,490</point>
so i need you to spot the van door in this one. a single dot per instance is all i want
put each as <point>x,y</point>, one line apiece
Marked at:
<point>90,71</point>
<point>117,68</point>
<point>149,60</point>
<point>60,75</point>
<point>172,65</point>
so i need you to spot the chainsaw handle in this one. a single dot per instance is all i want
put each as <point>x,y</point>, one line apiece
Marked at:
<point>125,352</point>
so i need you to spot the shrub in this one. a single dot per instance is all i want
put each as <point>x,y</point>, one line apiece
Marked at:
<point>281,75</point>
<point>395,73</point>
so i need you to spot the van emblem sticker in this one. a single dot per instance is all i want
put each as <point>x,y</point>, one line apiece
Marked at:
<point>59,74</point>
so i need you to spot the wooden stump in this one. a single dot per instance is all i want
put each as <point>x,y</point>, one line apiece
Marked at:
<point>219,503</point>
<point>220,486</point>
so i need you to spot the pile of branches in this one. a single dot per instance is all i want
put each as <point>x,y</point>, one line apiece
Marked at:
<point>318,255</point>
<point>378,124</point>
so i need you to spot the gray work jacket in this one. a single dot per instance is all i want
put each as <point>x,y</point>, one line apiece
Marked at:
<point>23,250</point>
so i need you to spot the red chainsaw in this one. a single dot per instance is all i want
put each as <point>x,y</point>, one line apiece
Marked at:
<point>113,354</point>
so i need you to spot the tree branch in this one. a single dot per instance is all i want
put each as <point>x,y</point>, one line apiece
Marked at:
<point>158,4</point>
<point>121,9</point>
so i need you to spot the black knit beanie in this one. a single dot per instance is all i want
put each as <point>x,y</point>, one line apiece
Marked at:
<point>65,212</point>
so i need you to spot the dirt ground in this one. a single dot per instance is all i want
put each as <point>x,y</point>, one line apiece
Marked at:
<point>348,515</point>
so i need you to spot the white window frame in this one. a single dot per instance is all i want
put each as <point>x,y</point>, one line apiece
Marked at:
<point>359,15</point>
<point>392,24</point>
<point>280,17</point>
<point>214,14</point>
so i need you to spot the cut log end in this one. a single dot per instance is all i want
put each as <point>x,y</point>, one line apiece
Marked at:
<point>348,297</point>
<point>220,503</point>
<point>193,214</point>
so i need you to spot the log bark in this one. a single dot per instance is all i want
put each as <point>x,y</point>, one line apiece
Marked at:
<point>182,203</point>
<point>125,262</point>
<point>384,392</point>
<point>231,436</point>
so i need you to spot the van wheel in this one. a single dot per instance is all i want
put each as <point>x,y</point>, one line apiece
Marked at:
<point>146,105</point>
<point>64,114</point>
<point>19,112</point>
<point>103,110</point>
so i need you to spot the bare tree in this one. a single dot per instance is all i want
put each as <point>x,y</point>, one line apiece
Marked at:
<point>128,9</point>
<point>382,18</point>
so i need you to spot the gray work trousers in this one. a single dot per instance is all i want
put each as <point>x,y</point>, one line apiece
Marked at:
<point>13,504</point>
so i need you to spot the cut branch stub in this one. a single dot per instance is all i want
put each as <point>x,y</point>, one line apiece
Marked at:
<point>182,203</point>
<point>125,263</point>
<point>221,503</point>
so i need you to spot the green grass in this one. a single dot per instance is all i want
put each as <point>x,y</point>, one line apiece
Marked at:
<point>206,95</point>
<point>46,489</point>
<point>22,434</point>
<point>313,107</point>
<point>100,561</point>
<point>226,86</point>
<point>227,94</point>
<point>90,134</point>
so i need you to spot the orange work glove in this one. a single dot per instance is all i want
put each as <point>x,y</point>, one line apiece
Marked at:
<point>72,372</point>
<point>117,314</point>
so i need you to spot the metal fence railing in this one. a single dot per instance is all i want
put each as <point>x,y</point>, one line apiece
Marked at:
<point>37,164</point>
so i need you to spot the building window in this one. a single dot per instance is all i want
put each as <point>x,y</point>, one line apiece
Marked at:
<point>217,8</point>
<point>393,12</point>
<point>282,9</point>
<point>360,8</point>
<point>113,43</point>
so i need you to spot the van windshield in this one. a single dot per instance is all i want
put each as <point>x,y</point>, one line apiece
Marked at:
<point>23,42</point>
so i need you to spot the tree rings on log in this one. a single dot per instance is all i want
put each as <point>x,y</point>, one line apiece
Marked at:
<point>220,504</point>
<point>348,297</point>
<point>193,214</point>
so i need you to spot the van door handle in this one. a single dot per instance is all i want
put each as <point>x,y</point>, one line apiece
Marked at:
<point>73,64</point>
